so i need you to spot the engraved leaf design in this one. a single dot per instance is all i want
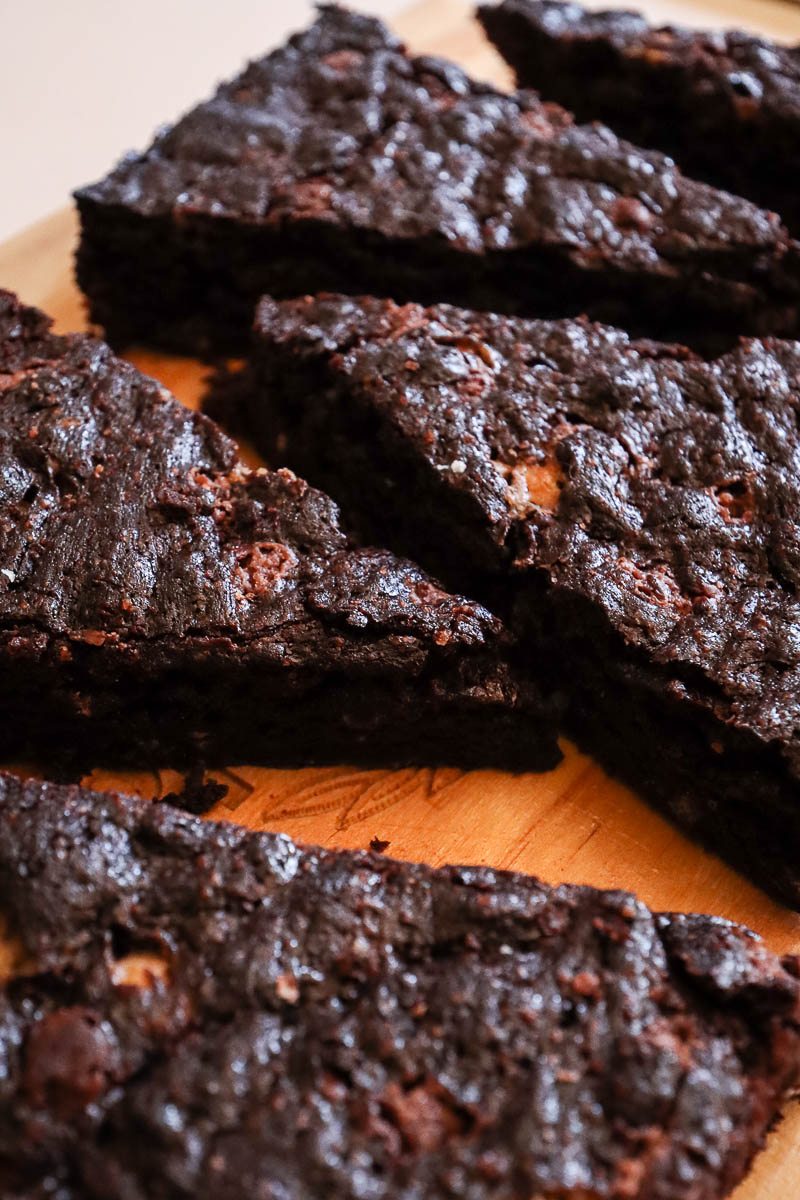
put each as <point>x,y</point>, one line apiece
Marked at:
<point>357,796</point>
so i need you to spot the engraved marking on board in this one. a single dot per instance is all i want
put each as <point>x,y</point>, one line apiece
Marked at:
<point>356,796</point>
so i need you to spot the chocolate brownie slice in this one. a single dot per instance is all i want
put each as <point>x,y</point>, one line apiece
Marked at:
<point>161,603</point>
<point>638,507</point>
<point>338,162</point>
<point>725,105</point>
<point>210,1012</point>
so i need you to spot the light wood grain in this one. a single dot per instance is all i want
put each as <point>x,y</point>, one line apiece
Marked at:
<point>571,824</point>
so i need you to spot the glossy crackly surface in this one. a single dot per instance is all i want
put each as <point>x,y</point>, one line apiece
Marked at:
<point>725,103</point>
<point>362,155</point>
<point>128,515</point>
<point>298,1022</point>
<point>665,488</point>
<point>138,553</point>
<point>341,125</point>
<point>643,500</point>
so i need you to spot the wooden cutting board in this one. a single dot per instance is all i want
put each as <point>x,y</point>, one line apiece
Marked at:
<point>571,824</point>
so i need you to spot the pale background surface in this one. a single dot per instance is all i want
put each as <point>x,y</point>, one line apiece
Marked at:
<point>85,80</point>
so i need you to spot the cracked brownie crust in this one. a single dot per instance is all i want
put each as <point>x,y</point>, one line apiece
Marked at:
<point>724,104</point>
<point>162,604</point>
<point>338,162</point>
<point>209,1012</point>
<point>637,505</point>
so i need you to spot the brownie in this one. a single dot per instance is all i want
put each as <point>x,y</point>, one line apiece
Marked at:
<point>209,1012</point>
<point>161,604</point>
<point>725,105</point>
<point>340,163</point>
<point>635,507</point>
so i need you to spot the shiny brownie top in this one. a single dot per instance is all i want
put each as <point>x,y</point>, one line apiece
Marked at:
<point>662,488</point>
<point>303,1022</point>
<point>125,517</point>
<point>757,76</point>
<point>342,126</point>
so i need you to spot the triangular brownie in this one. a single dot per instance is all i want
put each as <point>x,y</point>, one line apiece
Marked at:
<point>724,103</point>
<point>161,603</point>
<point>339,162</point>
<point>640,506</point>
<point>209,1012</point>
